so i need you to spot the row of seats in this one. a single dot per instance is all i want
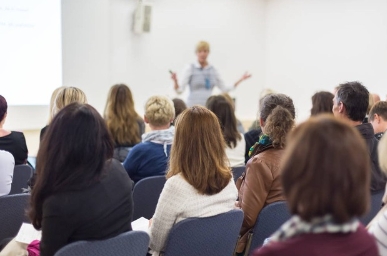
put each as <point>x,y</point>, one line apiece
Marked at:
<point>194,236</point>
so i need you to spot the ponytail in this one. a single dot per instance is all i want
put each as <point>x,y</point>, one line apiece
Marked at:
<point>277,125</point>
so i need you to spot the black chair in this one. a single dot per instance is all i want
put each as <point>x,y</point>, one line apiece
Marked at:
<point>215,236</point>
<point>21,175</point>
<point>237,172</point>
<point>133,243</point>
<point>146,194</point>
<point>376,205</point>
<point>12,214</point>
<point>269,220</point>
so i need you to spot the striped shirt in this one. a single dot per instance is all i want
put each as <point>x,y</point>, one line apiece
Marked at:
<point>200,81</point>
<point>379,230</point>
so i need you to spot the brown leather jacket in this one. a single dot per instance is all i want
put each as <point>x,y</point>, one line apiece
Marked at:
<point>259,186</point>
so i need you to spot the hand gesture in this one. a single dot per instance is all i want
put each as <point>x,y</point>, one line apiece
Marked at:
<point>245,76</point>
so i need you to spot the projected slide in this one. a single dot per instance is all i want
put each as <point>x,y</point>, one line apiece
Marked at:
<point>30,50</point>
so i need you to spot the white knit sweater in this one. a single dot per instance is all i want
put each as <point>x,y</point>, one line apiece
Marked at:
<point>179,200</point>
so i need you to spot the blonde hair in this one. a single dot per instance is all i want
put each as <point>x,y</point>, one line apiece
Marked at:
<point>382,151</point>
<point>121,117</point>
<point>66,96</point>
<point>159,110</point>
<point>371,102</point>
<point>202,45</point>
<point>198,151</point>
<point>52,103</point>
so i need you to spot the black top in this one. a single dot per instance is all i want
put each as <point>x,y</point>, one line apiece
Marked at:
<point>43,131</point>
<point>101,211</point>
<point>378,179</point>
<point>15,143</point>
<point>251,137</point>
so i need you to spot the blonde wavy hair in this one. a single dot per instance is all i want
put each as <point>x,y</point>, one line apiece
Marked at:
<point>66,96</point>
<point>121,117</point>
<point>159,110</point>
<point>198,151</point>
<point>52,103</point>
<point>202,45</point>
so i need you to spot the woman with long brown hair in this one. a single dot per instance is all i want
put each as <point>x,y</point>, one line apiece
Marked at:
<point>123,122</point>
<point>235,141</point>
<point>199,181</point>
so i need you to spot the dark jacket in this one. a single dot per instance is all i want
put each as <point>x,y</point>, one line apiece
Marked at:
<point>378,179</point>
<point>251,137</point>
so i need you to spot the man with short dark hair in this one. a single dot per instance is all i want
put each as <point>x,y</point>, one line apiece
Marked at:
<point>378,118</point>
<point>350,104</point>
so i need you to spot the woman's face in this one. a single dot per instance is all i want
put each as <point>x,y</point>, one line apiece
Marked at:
<point>202,55</point>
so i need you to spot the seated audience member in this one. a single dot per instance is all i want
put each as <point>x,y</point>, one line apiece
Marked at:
<point>252,136</point>
<point>199,181</point>
<point>260,184</point>
<point>378,118</point>
<point>150,157</point>
<point>264,92</point>
<point>370,104</point>
<point>236,144</point>
<point>180,106</point>
<point>123,122</point>
<point>375,97</point>
<point>52,104</point>
<point>81,193</point>
<point>7,164</point>
<point>232,102</point>
<point>62,97</point>
<point>350,104</point>
<point>378,226</point>
<point>325,194</point>
<point>322,102</point>
<point>11,141</point>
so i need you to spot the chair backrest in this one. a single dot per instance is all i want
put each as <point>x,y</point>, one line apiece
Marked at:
<point>146,194</point>
<point>269,220</point>
<point>216,235</point>
<point>12,214</point>
<point>133,243</point>
<point>376,205</point>
<point>21,175</point>
<point>237,172</point>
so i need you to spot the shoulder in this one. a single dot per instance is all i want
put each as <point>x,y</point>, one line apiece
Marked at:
<point>5,156</point>
<point>177,183</point>
<point>17,135</point>
<point>267,157</point>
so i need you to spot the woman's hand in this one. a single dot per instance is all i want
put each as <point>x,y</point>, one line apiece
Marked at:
<point>174,78</point>
<point>245,76</point>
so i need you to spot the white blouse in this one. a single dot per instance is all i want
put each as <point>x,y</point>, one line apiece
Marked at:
<point>236,156</point>
<point>7,164</point>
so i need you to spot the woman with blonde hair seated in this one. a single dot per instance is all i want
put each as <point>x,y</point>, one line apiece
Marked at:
<point>60,98</point>
<point>123,122</point>
<point>199,182</point>
<point>326,180</point>
<point>150,157</point>
<point>260,184</point>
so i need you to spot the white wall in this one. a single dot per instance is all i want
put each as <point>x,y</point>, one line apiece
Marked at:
<point>100,49</point>
<point>314,45</point>
<point>293,46</point>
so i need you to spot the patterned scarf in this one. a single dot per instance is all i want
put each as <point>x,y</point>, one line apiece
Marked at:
<point>296,226</point>
<point>263,142</point>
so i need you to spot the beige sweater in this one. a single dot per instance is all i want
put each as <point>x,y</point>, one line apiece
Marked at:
<point>178,201</point>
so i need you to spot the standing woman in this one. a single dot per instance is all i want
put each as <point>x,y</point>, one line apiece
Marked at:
<point>260,185</point>
<point>201,78</point>
<point>80,192</point>
<point>199,181</point>
<point>235,141</point>
<point>123,122</point>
